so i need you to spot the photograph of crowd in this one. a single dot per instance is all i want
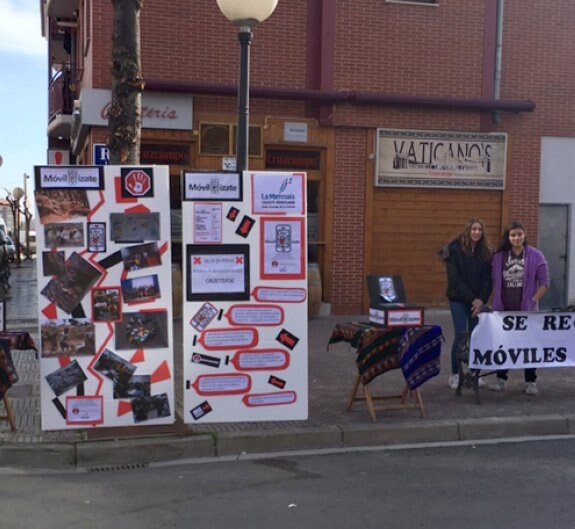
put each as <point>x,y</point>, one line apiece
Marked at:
<point>113,366</point>
<point>66,378</point>
<point>147,408</point>
<point>74,337</point>
<point>136,386</point>
<point>68,289</point>
<point>53,263</point>
<point>106,304</point>
<point>135,227</point>
<point>140,289</point>
<point>64,235</point>
<point>147,330</point>
<point>141,256</point>
<point>61,204</point>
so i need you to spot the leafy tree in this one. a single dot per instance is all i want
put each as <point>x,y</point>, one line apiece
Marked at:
<point>125,118</point>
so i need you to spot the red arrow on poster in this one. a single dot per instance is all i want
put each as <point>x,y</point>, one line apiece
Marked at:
<point>287,339</point>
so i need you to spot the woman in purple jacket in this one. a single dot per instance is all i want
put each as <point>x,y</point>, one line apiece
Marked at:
<point>520,279</point>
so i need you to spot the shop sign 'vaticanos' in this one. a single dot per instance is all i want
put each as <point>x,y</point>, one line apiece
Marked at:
<point>460,160</point>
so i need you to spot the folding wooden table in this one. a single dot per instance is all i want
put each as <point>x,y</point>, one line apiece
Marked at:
<point>415,351</point>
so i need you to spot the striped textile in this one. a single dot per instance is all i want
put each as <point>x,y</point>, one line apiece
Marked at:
<point>380,349</point>
<point>420,354</point>
<point>8,375</point>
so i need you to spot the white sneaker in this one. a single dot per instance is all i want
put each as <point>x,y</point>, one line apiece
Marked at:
<point>453,381</point>
<point>498,385</point>
<point>531,388</point>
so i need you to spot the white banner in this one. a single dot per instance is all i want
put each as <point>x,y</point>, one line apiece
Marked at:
<point>518,340</point>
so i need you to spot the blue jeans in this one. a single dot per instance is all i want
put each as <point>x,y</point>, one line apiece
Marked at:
<point>462,324</point>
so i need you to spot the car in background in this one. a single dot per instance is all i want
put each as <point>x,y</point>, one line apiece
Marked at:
<point>10,248</point>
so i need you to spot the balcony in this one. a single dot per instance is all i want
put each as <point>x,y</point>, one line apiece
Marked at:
<point>61,96</point>
<point>61,8</point>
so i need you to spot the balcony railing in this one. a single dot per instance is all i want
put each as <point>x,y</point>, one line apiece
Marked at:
<point>62,92</point>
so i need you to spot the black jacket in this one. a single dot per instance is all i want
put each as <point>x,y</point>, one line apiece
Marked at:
<point>468,276</point>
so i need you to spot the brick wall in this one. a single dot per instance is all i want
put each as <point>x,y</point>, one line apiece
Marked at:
<point>349,221</point>
<point>410,49</point>
<point>380,48</point>
<point>191,40</point>
<point>537,65</point>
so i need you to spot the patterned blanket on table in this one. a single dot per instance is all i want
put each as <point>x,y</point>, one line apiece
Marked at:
<point>421,351</point>
<point>8,375</point>
<point>351,333</point>
<point>378,352</point>
<point>377,347</point>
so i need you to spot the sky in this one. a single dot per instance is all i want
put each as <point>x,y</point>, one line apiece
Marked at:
<point>23,92</point>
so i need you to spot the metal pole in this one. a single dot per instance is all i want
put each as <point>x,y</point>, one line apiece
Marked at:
<point>242,139</point>
<point>17,233</point>
<point>26,216</point>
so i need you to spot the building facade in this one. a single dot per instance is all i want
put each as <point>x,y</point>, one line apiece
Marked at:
<point>409,117</point>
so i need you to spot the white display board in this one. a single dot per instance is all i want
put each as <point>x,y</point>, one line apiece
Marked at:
<point>105,296</point>
<point>245,297</point>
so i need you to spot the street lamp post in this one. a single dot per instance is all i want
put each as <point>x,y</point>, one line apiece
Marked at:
<point>245,14</point>
<point>17,193</point>
<point>27,216</point>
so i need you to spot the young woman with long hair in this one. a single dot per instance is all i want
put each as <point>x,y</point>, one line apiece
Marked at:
<point>468,263</point>
<point>520,279</point>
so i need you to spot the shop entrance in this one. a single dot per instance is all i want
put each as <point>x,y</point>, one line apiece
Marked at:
<point>312,161</point>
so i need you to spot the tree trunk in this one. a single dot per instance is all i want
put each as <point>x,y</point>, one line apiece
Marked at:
<point>125,117</point>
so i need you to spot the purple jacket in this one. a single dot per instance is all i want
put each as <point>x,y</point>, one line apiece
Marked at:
<point>536,274</point>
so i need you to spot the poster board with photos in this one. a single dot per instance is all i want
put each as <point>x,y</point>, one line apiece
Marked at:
<point>245,306</point>
<point>105,296</point>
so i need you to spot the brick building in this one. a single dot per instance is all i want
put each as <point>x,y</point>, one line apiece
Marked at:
<point>475,97</point>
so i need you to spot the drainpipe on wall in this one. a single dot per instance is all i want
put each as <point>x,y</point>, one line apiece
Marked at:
<point>498,54</point>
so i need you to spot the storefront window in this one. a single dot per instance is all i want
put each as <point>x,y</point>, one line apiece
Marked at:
<point>219,139</point>
<point>214,139</point>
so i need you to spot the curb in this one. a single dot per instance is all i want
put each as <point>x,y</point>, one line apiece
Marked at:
<point>47,456</point>
<point>105,455</point>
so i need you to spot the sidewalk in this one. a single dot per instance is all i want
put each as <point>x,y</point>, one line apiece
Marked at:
<point>330,425</point>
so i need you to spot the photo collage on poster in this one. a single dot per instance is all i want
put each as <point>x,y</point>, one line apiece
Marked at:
<point>105,296</point>
<point>245,300</point>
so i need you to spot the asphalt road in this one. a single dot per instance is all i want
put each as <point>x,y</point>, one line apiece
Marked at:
<point>495,486</point>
